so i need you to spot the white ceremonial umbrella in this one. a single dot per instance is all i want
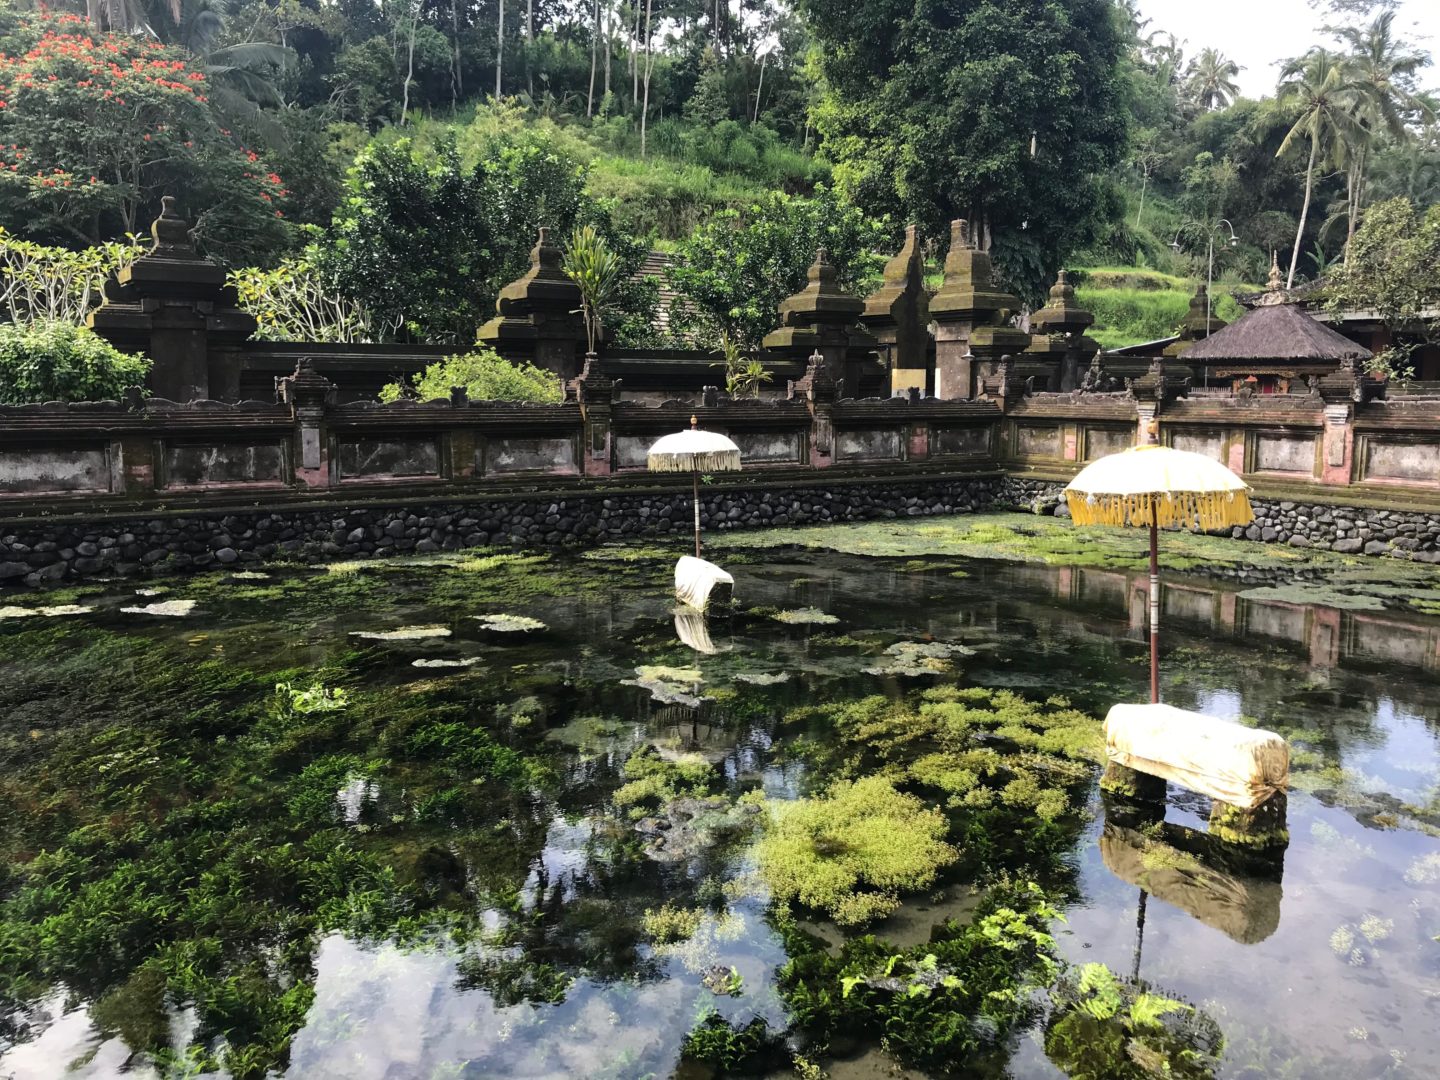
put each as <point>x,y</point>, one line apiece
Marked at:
<point>694,451</point>
<point>1153,486</point>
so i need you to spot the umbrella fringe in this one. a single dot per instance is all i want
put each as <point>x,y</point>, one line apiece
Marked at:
<point>712,461</point>
<point>1209,510</point>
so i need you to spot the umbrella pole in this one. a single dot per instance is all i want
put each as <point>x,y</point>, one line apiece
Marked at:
<point>695,500</point>
<point>1154,604</point>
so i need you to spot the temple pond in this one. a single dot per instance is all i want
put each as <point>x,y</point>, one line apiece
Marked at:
<point>510,815</point>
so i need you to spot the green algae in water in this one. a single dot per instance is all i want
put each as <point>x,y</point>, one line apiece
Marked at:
<point>207,846</point>
<point>852,851</point>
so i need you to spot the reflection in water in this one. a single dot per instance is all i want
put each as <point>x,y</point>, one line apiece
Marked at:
<point>1196,873</point>
<point>547,884</point>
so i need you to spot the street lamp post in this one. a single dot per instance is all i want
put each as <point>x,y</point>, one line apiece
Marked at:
<point>1211,230</point>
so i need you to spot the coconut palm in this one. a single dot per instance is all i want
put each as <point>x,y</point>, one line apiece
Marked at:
<point>1212,79</point>
<point>1319,87</point>
<point>1383,69</point>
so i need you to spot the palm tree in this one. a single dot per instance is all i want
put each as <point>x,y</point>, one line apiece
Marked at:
<point>1319,86</point>
<point>1212,79</point>
<point>1383,70</point>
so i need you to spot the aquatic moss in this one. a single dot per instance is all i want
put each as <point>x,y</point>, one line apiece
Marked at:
<point>652,780</point>
<point>668,925</point>
<point>852,851</point>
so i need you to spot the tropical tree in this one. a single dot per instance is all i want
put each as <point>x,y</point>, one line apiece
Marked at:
<point>1212,79</point>
<point>1320,88</point>
<point>1383,69</point>
<point>1005,112</point>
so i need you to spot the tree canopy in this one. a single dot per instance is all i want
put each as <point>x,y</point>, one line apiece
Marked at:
<point>1008,114</point>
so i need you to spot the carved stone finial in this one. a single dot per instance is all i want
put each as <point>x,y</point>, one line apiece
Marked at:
<point>170,231</point>
<point>1277,282</point>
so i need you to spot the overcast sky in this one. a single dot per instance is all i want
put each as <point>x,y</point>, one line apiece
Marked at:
<point>1260,34</point>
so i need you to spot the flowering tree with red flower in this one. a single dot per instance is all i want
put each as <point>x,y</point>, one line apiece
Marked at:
<point>95,127</point>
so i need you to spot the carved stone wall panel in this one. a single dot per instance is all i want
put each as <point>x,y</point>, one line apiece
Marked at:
<point>1285,453</point>
<point>388,456</point>
<point>869,444</point>
<point>512,454</point>
<point>970,441</point>
<point>40,470</point>
<point>1410,461</point>
<point>189,465</point>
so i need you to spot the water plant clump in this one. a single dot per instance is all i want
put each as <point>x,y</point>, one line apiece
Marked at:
<point>404,633</point>
<point>808,616</point>
<point>653,780</point>
<point>751,1048</point>
<point>852,851</point>
<point>1103,1027</point>
<point>957,997</point>
<point>668,925</point>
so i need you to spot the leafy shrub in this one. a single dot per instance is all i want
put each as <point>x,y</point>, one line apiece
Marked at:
<point>55,361</point>
<point>485,375</point>
<point>735,270</point>
<point>54,284</point>
<point>297,301</point>
<point>853,850</point>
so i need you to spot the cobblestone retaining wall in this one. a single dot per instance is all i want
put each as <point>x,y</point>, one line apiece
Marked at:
<point>1352,530</point>
<point>42,554</point>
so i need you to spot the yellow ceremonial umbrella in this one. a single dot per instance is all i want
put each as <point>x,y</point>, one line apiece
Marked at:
<point>694,451</point>
<point>1151,486</point>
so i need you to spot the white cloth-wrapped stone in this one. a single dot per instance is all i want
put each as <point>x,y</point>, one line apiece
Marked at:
<point>699,583</point>
<point>1238,765</point>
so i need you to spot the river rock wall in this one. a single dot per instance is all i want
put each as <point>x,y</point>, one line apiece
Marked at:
<point>1350,530</point>
<point>52,553</point>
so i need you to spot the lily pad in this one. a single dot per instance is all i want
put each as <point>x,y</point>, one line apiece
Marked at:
<point>404,633</point>
<point>509,624</point>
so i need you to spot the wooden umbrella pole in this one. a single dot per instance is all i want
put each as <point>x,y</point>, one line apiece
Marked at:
<point>1154,604</point>
<point>695,500</point>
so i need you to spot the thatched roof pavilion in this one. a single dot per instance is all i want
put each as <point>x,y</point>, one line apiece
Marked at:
<point>1277,337</point>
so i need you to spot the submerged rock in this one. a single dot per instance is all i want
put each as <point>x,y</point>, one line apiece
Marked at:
<point>688,827</point>
<point>404,633</point>
<point>509,624</point>
<point>58,609</point>
<point>426,662</point>
<point>173,608</point>
<point>808,616</point>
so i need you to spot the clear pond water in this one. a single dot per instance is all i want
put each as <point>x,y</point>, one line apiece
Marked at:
<point>414,865</point>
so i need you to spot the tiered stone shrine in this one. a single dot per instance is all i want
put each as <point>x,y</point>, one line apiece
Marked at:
<point>1058,336</point>
<point>822,318</point>
<point>898,314</point>
<point>969,313</point>
<point>539,318</point>
<point>173,305</point>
